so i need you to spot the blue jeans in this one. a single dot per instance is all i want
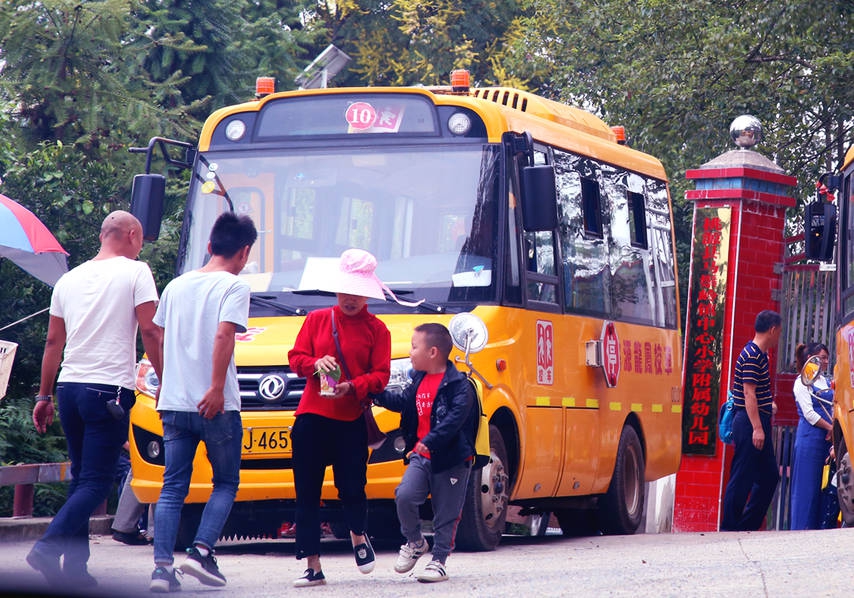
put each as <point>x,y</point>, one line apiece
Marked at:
<point>94,441</point>
<point>182,432</point>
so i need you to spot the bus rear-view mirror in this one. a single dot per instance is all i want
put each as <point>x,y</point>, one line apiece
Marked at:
<point>539,198</point>
<point>147,198</point>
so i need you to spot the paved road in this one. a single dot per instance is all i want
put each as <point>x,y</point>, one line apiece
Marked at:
<point>695,565</point>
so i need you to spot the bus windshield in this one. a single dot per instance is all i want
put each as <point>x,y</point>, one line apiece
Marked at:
<point>428,213</point>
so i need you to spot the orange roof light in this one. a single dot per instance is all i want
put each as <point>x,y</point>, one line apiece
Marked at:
<point>460,80</point>
<point>264,86</point>
<point>620,132</point>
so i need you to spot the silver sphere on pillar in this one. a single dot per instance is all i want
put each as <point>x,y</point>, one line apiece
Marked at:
<point>746,131</point>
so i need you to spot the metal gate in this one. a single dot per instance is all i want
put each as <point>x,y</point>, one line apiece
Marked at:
<point>807,299</point>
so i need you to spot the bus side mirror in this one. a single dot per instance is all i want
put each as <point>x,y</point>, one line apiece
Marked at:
<point>820,233</point>
<point>147,198</point>
<point>539,198</point>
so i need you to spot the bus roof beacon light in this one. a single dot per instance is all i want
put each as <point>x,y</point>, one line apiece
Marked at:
<point>264,86</point>
<point>460,80</point>
<point>746,131</point>
<point>327,64</point>
<point>620,133</point>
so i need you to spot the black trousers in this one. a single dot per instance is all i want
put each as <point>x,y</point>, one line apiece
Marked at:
<point>753,476</point>
<point>318,442</point>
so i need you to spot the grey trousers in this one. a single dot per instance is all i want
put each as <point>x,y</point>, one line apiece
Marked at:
<point>129,510</point>
<point>447,490</point>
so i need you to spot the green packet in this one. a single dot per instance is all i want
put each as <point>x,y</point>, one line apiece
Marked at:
<point>328,380</point>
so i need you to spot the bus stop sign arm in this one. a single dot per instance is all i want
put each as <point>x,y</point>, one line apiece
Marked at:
<point>163,144</point>
<point>149,190</point>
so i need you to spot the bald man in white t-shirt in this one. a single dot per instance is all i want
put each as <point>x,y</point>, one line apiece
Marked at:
<point>95,311</point>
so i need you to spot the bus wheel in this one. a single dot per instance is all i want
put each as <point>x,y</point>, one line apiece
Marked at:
<point>485,506</point>
<point>621,509</point>
<point>845,484</point>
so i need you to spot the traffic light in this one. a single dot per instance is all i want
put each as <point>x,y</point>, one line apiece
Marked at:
<point>820,230</point>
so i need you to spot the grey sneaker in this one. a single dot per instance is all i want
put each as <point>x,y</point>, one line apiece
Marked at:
<point>163,582</point>
<point>203,568</point>
<point>409,555</point>
<point>433,572</point>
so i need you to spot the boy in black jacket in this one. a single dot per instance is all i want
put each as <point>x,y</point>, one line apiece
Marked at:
<point>438,419</point>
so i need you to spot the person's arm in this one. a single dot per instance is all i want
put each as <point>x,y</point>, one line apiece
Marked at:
<point>379,371</point>
<point>301,358</point>
<point>213,402</point>
<point>752,408</point>
<point>51,360</point>
<point>804,400</point>
<point>151,335</point>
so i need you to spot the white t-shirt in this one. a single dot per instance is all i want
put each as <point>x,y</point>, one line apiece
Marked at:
<point>97,301</point>
<point>190,311</point>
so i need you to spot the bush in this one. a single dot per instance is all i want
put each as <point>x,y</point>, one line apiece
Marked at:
<point>20,443</point>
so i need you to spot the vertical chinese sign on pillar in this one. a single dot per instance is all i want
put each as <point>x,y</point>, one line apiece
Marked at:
<point>704,334</point>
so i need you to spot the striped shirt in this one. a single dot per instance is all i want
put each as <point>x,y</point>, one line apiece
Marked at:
<point>752,367</point>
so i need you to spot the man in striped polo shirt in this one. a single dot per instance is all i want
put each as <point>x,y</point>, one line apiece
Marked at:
<point>753,474</point>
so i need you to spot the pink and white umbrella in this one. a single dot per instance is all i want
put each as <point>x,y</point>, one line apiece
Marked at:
<point>26,241</point>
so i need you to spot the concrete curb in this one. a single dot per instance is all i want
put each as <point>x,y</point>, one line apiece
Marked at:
<point>16,529</point>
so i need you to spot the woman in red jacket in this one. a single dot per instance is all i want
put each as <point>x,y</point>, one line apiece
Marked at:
<point>330,427</point>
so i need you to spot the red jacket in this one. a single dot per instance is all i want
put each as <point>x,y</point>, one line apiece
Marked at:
<point>366,344</point>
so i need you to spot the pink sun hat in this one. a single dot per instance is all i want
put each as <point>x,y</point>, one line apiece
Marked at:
<point>354,273</point>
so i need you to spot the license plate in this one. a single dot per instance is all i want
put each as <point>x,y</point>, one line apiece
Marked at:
<point>266,441</point>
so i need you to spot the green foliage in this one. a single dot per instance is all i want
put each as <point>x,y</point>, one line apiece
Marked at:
<point>407,42</point>
<point>677,74</point>
<point>20,443</point>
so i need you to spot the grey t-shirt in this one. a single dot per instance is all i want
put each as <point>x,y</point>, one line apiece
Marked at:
<point>190,310</point>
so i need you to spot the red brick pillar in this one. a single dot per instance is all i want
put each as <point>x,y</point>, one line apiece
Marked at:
<point>740,204</point>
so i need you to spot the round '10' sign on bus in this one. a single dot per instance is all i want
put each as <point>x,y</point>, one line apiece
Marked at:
<point>361,115</point>
<point>610,354</point>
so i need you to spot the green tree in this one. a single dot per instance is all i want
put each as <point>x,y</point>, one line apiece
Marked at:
<point>406,42</point>
<point>677,74</point>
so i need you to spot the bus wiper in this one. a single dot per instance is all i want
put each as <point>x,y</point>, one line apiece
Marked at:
<point>434,307</point>
<point>268,301</point>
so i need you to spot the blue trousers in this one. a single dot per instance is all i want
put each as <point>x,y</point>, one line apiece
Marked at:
<point>182,432</point>
<point>811,451</point>
<point>753,476</point>
<point>95,440</point>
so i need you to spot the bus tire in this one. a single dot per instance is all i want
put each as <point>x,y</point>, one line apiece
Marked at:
<point>621,508</point>
<point>485,507</point>
<point>845,484</point>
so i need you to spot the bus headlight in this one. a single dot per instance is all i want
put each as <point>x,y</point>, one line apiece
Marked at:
<point>400,374</point>
<point>146,380</point>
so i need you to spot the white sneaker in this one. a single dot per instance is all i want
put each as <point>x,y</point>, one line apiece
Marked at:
<point>434,571</point>
<point>409,555</point>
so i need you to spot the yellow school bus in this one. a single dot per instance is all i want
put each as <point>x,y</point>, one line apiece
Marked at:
<point>822,225</point>
<point>532,215</point>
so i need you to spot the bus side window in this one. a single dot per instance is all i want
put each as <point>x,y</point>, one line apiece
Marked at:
<point>540,257</point>
<point>632,271</point>
<point>661,249</point>
<point>585,257</point>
